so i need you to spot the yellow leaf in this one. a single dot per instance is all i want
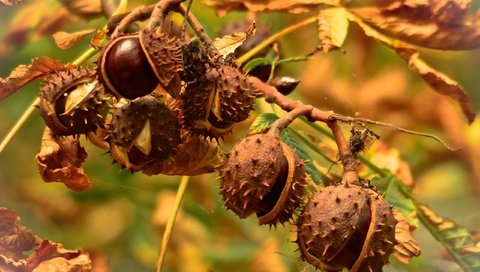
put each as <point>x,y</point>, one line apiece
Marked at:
<point>332,28</point>
<point>227,44</point>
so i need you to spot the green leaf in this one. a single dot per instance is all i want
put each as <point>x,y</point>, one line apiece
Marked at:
<point>256,62</point>
<point>455,238</point>
<point>310,168</point>
<point>293,59</point>
<point>262,123</point>
<point>398,195</point>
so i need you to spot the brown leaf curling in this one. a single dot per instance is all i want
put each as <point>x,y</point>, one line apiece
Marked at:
<point>84,8</point>
<point>53,257</point>
<point>298,6</point>
<point>445,29</point>
<point>30,23</point>
<point>60,160</point>
<point>195,156</point>
<point>10,2</point>
<point>440,82</point>
<point>14,238</point>
<point>407,247</point>
<point>24,74</point>
<point>65,40</point>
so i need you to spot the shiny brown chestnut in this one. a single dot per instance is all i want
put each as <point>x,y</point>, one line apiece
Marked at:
<point>138,64</point>
<point>125,69</point>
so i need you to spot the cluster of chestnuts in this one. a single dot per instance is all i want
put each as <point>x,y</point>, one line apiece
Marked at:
<point>152,95</point>
<point>149,95</point>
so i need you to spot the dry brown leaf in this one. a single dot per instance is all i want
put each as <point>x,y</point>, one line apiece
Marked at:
<point>332,28</point>
<point>443,85</point>
<point>292,6</point>
<point>65,40</point>
<point>60,159</point>
<point>24,74</point>
<point>30,22</point>
<point>440,82</point>
<point>53,257</point>
<point>84,8</point>
<point>97,39</point>
<point>407,247</point>
<point>194,156</point>
<point>418,26</point>
<point>14,239</point>
<point>448,11</point>
<point>10,2</point>
<point>226,45</point>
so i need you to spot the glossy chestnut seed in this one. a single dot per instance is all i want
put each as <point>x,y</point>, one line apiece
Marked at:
<point>125,68</point>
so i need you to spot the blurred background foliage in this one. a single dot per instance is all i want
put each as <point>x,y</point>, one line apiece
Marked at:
<point>120,220</point>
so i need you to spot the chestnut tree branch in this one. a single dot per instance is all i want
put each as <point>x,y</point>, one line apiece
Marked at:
<point>297,108</point>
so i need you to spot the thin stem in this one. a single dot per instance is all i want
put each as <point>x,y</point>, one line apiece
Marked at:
<point>19,124</point>
<point>275,37</point>
<point>286,120</point>
<point>199,31</point>
<point>171,220</point>
<point>317,127</point>
<point>347,119</point>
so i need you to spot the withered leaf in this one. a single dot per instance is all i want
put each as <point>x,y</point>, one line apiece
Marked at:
<point>227,44</point>
<point>32,21</point>
<point>53,257</point>
<point>332,28</point>
<point>440,82</point>
<point>292,6</point>
<point>419,27</point>
<point>97,39</point>
<point>194,156</point>
<point>60,159</point>
<point>448,11</point>
<point>47,256</point>
<point>24,74</point>
<point>84,8</point>
<point>407,247</point>
<point>10,2</point>
<point>14,238</point>
<point>65,40</point>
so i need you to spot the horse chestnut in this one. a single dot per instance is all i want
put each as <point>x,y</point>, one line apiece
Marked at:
<point>73,102</point>
<point>135,65</point>
<point>346,226</point>
<point>263,175</point>
<point>143,130</point>
<point>125,69</point>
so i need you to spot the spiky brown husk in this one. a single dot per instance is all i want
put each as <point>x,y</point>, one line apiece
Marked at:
<point>197,98</point>
<point>233,94</point>
<point>164,53</point>
<point>73,102</point>
<point>262,175</point>
<point>130,121</point>
<point>346,226</point>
